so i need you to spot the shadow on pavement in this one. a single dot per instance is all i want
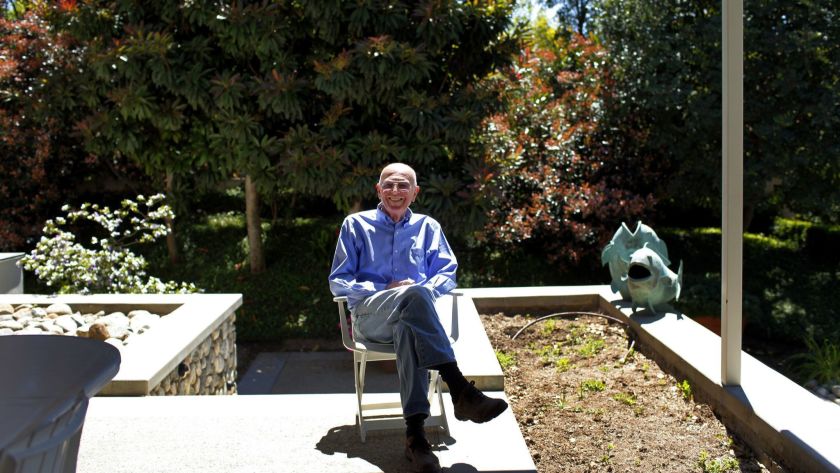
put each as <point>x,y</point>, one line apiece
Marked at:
<point>383,449</point>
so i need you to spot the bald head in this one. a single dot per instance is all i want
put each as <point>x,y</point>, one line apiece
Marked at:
<point>397,188</point>
<point>398,168</point>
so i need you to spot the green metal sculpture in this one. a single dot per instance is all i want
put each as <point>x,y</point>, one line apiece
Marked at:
<point>638,263</point>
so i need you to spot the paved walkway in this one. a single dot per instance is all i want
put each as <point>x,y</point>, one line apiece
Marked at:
<point>296,413</point>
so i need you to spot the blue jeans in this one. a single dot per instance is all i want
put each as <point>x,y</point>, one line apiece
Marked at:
<point>406,317</point>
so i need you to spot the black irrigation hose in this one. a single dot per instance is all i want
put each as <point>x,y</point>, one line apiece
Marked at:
<point>564,314</point>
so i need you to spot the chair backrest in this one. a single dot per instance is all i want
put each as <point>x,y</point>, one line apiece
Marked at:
<point>50,445</point>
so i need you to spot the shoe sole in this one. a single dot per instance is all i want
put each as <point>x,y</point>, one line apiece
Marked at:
<point>492,416</point>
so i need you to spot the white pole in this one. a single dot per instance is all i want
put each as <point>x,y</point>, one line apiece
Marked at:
<point>733,190</point>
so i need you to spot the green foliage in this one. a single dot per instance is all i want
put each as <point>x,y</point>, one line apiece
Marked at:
<point>304,97</point>
<point>590,386</point>
<point>109,266</point>
<point>550,353</point>
<point>666,58</point>
<point>290,299</point>
<point>40,162</point>
<point>821,361</point>
<point>546,187</point>
<point>685,389</point>
<point>786,291</point>
<point>591,347</point>
<point>628,399</point>
<point>717,465</point>
<point>506,360</point>
<point>548,327</point>
<point>563,364</point>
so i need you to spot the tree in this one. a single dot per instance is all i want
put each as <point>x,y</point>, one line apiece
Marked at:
<point>574,14</point>
<point>667,57</point>
<point>41,159</point>
<point>547,153</point>
<point>312,97</point>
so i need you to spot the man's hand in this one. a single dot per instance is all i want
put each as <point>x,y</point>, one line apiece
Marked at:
<point>404,282</point>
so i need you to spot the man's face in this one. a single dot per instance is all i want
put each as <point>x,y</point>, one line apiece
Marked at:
<point>396,190</point>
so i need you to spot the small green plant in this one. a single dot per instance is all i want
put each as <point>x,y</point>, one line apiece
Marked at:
<point>629,356</point>
<point>626,398</point>
<point>575,335</point>
<point>561,403</point>
<point>563,364</point>
<point>589,386</point>
<point>820,362</point>
<point>548,327</point>
<point>717,465</point>
<point>591,347</point>
<point>108,265</point>
<point>506,360</point>
<point>685,388</point>
<point>550,353</point>
<point>607,457</point>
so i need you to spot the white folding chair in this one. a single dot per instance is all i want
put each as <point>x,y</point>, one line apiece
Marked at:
<point>386,415</point>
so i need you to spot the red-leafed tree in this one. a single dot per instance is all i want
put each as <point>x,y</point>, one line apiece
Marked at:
<point>31,136</point>
<point>42,161</point>
<point>555,182</point>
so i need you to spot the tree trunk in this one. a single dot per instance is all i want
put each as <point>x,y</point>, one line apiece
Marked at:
<point>171,243</point>
<point>252,217</point>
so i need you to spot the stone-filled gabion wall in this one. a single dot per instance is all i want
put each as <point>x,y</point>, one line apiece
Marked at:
<point>209,369</point>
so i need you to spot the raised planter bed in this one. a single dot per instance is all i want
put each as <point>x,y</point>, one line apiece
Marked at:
<point>190,350</point>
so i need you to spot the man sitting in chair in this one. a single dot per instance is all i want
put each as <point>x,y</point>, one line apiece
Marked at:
<point>392,264</point>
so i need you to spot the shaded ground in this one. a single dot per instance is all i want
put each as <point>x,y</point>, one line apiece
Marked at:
<point>586,402</point>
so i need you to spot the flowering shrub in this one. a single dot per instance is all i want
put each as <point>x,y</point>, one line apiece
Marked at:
<point>553,183</point>
<point>109,265</point>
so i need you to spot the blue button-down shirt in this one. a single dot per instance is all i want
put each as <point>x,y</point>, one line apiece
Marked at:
<point>373,251</point>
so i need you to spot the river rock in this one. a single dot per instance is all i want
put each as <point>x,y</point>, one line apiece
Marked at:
<point>6,309</point>
<point>11,324</point>
<point>836,390</point>
<point>118,332</point>
<point>38,312</point>
<point>115,319</point>
<point>29,331</point>
<point>67,322</point>
<point>6,331</point>
<point>59,309</point>
<point>98,331</point>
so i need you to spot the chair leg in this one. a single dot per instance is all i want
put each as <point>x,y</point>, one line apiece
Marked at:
<point>359,374</point>
<point>439,389</point>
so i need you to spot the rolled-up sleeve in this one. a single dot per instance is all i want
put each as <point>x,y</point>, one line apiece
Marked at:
<point>441,263</point>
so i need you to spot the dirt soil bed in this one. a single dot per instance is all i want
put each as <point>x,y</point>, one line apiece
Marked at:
<point>586,402</point>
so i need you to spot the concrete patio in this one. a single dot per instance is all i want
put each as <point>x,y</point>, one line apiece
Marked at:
<point>295,412</point>
<point>300,416</point>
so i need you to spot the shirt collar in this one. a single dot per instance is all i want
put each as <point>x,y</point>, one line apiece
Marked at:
<point>383,216</point>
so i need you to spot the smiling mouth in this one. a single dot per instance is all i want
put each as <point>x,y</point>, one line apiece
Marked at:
<point>395,201</point>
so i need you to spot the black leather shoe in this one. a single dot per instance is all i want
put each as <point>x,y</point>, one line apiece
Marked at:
<point>419,453</point>
<point>473,405</point>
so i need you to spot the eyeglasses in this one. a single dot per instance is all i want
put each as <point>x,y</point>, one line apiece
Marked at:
<point>401,187</point>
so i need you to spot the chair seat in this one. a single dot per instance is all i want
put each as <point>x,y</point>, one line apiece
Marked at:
<point>387,415</point>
